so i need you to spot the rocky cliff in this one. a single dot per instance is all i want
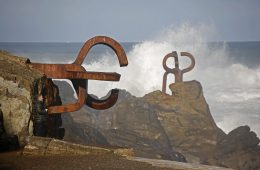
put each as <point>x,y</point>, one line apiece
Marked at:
<point>169,127</point>
<point>158,125</point>
<point>19,84</point>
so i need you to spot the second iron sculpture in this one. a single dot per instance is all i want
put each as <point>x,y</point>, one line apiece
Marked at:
<point>178,73</point>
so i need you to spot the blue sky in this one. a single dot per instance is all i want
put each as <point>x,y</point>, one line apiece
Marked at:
<point>124,20</point>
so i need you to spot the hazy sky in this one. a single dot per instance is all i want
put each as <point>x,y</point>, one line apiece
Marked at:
<point>124,20</point>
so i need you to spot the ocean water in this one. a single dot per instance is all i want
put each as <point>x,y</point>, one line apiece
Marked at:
<point>228,71</point>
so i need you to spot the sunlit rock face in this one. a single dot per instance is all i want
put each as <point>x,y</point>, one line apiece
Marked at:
<point>19,84</point>
<point>186,119</point>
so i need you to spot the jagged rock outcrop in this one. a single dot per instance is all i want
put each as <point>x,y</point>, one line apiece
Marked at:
<point>130,123</point>
<point>158,125</point>
<point>82,133</point>
<point>181,122</point>
<point>19,83</point>
<point>187,120</point>
<point>138,127</point>
<point>239,149</point>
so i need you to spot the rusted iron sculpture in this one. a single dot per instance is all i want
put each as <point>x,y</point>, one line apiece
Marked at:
<point>178,73</point>
<point>79,76</point>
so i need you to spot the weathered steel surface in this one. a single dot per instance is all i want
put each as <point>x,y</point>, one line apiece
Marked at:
<point>79,76</point>
<point>178,73</point>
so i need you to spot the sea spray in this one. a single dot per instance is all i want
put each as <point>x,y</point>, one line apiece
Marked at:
<point>221,76</point>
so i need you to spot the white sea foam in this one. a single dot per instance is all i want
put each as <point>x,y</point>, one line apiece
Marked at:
<point>223,79</point>
<point>233,97</point>
<point>232,120</point>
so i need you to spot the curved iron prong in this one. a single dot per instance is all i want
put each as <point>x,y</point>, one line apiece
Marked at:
<point>120,53</point>
<point>103,104</point>
<point>118,49</point>
<point>80,88</point>
<point>164,82</point>
<point>175,56</point>
<point>175,71</point>
<point>190,56</point>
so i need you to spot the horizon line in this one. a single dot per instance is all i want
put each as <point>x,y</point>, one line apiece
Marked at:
<point>119,41</point>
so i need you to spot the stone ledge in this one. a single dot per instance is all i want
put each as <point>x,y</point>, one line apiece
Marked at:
<point>177,165</point>
<point>49,146</point>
